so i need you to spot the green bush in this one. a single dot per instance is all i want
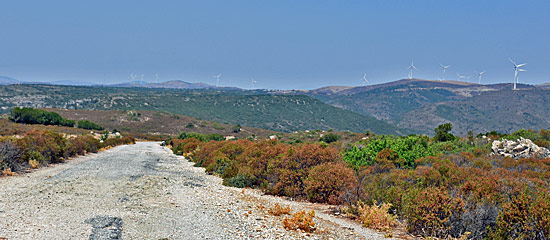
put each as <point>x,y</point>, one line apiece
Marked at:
<point>38,116</point>
<point>407,148</point>
<point>85,124</point>
<point>328,138</point>
<point>202,137</point>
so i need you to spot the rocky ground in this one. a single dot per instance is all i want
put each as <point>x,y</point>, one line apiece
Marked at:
<point>143,191</point>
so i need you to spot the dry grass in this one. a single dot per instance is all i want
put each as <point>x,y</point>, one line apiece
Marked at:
<point>8,172</point>
<point>377,216</point>
<point>300,221</point>
<point>278,210</point>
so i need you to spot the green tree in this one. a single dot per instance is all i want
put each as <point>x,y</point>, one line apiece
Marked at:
<point>442,133</point>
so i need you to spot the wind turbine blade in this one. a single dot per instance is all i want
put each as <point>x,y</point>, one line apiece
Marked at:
<point>521,65</point>
<point>512,61</point>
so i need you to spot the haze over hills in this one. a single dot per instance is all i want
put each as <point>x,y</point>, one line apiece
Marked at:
<point>248,108</point>
<point>404,106</point>
<point>175,84</point>
<point>7,80</point>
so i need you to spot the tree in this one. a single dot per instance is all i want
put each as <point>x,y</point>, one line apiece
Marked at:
<point>442,133</point>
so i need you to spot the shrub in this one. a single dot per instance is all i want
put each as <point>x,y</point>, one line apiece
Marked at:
<point>330,182</point>
<point>301,220</point>
<point>329,138</point>
<point>241,180</point>
<point>377,216</point>
<point>429,211</point>
<point>10,156</point>
<point>38,116</point>
<point>202,137</point>
<point>49,145</point>
<point>407,148</point>
<point>278,210</point>
<point>525,217</point>
<point>184,146</point>
<point>85,124</point>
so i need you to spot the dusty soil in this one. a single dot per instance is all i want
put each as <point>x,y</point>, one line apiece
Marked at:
<point>143,191</point>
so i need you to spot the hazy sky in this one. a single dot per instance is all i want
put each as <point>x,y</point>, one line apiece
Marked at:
<point>283,44</point>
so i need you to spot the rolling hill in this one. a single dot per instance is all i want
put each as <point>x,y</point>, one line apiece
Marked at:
<point>248,108</point>
<point>137,123</point>
<point>420,105</point>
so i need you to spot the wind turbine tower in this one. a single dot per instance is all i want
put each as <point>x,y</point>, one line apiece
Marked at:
<point>444,70</point>
<point>479,74</point>
<point>132,78</point>
<point>411,68</point>
<point>218,79</point>
<point>365,79</point>
<point>517,69</point>
<point>253,82</point>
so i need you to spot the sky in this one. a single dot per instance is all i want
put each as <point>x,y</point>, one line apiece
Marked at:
<point>283,44</point>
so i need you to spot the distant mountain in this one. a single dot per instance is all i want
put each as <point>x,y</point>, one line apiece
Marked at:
<point>544,85</point>
<point>8,80</point>
<point>419,105</point>
<point>175,84</point>
<point>71,83</point>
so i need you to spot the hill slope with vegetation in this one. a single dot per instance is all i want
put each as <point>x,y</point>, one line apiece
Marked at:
<point>421,105</point>
<point>137,123</point>
<point>274,112</point>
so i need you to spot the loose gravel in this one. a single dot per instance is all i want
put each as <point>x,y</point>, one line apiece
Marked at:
<point>143,191</point>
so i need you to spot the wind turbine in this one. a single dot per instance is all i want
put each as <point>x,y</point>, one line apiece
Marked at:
<point>444,69</point>
<point>218,79</point>
<point>142,75</point>
<point>132,77</point>
<point>253,82</point>
<point>462,77</point>
<point>517,69</point>
<point>479,74</point>
<point>411,68</point>
<point>365,79</point>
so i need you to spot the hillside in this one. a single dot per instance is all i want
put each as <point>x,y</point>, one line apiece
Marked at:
<point>274,112</point>
<point>420,105</point>
<point>504,111</point>
<point>157,123</point>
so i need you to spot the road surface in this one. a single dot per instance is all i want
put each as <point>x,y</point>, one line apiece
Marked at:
<point>143,191</point>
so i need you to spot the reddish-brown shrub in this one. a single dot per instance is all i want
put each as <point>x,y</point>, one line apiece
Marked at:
<point>377,216</point>
<point>10,156</point>
<point>49,145</point>
<point>525,216</point>
<point>278,210</point>
<point>332,183</point>
<point>429,211</point>
<point>301,220</point>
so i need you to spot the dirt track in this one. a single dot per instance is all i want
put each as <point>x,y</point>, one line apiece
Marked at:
<point>143,191</point>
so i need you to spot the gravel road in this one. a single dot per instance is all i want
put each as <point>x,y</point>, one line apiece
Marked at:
<point>143,191</point>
